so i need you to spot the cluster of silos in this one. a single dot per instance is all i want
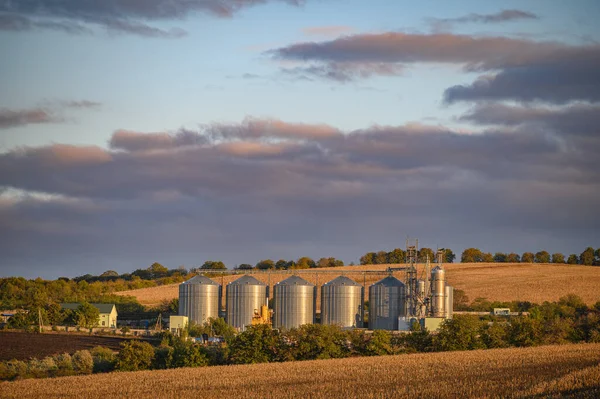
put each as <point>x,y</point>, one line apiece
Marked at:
<point>387,303</point>
<point>244,297</point>
<point>294,303</point>
<point>199,299</point>
<point>342,303</point>
<point>442,295</point>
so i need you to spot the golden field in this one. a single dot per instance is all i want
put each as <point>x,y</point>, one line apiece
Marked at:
<point>547,371</point>
<point>494,281</point>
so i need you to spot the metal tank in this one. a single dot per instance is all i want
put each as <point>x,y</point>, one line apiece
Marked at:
<point>449,301</point>
<point>438,292</point>
<point>387,302</point>
<point>199,299</point>
<point>243,298</point>
<point>294,303</point>
<point>342,302</point>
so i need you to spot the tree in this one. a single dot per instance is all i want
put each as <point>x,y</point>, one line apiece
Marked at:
<point>157,270</point>
<point>499,257</point>
<point>265,264</point>
<point>558,258</point>
<point>244,266</point>
<point>368,258</point>
<point>573,259</point>
<point>471,255</point>
<point>396,256</point>
<point>527,257</point>
<point>424,253</point>
<point>513,258</point>
<point>487,257</point>
<point>212,265</point>
<point>459,333</point>
<point>134,355</point>
<point>542,257</point>
<point>323,262</point>
<point>281,264</point>
<point>587,257</point>
<point>449,256</point>
<point>258,344</point>
<point>379,343</point>
<point>110,273</point>
<point>305,263</point>
<point>381,258</point>
<point>290,265</point>
<point>87,316</point>
<point>83,362</point>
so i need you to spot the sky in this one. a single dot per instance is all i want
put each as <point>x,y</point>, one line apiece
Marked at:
<point>180,131</point>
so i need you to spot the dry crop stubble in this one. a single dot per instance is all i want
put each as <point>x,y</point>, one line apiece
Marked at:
<point>495,281</point>
<point>516,372</point>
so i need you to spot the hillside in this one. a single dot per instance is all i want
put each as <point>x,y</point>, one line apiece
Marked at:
<point>547,371</point>
<point>494,281</point>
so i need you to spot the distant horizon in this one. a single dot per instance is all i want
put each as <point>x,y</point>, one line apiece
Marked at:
<point>181,131</point>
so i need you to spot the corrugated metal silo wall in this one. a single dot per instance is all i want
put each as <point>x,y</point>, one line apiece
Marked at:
<point>342,305</point>
<point>241,302</point>
<point>199,301</point>
<point>294,305</point>
<point>386,304</point>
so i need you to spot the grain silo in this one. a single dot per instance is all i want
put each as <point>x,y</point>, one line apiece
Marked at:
<point>199,299</point>
<point>387,302</point>
<point>449,301</point>
<point>244,298</point>
<point>342,302</point>
<point>438,292</point>
<point>294,303</point>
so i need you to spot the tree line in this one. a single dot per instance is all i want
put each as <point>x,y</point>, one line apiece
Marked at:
<point>588,257</point>
<point>398,255</point>
<point>568,320</point>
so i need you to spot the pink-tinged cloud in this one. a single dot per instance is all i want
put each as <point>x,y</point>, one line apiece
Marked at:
<point>333,30</point>
<point>13,118</point>
<point>68,155</point>
<point>252,148</point>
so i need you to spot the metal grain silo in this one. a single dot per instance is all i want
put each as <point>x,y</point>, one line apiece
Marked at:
<point>438,292</point>
<point>449,301</point>
<point>244,297</point>
<point>342,302</point>
<point>294,303</point>
<point>199,299</point>
<point>387,302</point>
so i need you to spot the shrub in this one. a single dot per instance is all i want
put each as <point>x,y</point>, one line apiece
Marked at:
<point>104,359</point>
<point>64,363</point>
<point>83,362</point>
<point>135,355</point>
<point>379,343</point>
<point>187,354</point>
<point>16,369</point>
<point>163,357</point>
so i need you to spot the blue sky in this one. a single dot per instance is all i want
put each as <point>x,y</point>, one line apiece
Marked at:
<point>227,69</point>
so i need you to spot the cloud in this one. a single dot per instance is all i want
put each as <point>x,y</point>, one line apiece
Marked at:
<point>14,118</point>
<point>515,69</point>
<point>333,30</point>
<point>260,188</point>
<point>49,113</point>
<point>122,16</point>
<point>499,17</point>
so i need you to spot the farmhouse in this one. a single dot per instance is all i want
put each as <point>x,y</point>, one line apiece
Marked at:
<point>108,313</point>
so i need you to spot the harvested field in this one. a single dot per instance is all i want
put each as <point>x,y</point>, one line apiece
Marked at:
<point>494,281</point>
<point>550,371</point>
<point>21,346</point>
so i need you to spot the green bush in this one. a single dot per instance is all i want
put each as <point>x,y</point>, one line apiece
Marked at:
<point>135,355</point>
<point>64,363</point>
<point>188,354</point>
<point>15,369</point>
<point>83,362</point>
<point>163,357</point>
<point>104,359</point>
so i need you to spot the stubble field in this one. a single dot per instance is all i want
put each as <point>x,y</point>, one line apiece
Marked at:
<point>495,281</point>
<point>550,371</point>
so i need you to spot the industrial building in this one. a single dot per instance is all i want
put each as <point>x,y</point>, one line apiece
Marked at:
<point>393,304</point>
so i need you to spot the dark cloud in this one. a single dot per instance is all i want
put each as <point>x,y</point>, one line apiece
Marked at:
<point>49,113</point>
<point>501,16</point>
<point>517,69</point>
<point>268,188</point>
<point>13,118</point>
<point>575,79</point>
<point>122,16</point>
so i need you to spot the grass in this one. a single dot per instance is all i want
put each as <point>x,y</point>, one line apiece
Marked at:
<point>494,281</point>
<point>547,371</point>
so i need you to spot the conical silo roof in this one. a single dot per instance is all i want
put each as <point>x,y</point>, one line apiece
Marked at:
<point>437,269</point>
<point>343,280</point>
<point>390,281</point>
<point>295,280</point>
<point>247,280</point>
<point>199,279</point>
